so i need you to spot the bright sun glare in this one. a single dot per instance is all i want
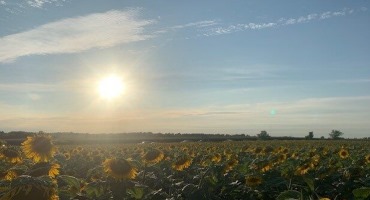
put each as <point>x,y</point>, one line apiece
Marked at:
<point>111,87</point>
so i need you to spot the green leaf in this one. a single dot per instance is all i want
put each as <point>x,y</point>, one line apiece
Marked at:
<point>136,192</point>
<point>289,195</point>
<point>94,189</point>
<point>310,183</point>
<point>189,188</point>
<point>212,180</point>
<point>361,193</point>
<point>70,180</point>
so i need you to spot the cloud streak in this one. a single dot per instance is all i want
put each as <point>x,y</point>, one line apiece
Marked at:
<point>71,35</point>
<point>40,3</point>
<point>199,24</point>
<point>281,22</point>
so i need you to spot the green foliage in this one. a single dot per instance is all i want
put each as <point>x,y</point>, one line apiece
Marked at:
<point>309,136</point>
<point>335,134</point>
<point>361,193</point>
<point>263,135</point>
<point>289,195</point>
<point>281,170</point>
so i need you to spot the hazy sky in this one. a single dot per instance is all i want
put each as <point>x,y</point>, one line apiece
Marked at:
<point>239,66</point>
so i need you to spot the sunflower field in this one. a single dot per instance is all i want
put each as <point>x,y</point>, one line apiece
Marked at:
<point>39,170</point>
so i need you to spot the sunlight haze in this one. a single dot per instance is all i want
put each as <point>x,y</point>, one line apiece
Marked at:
<point>231,67</point>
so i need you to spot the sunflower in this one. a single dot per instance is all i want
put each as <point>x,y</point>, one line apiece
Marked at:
<point>268,149</point>
<point>39,148</point>
<point>303,169</point>
<point>367,159</point>
<point>153,156</point>
<point>315,161</point>
<point>266,167</point>
<point>11,174</point>
<point>230,165</point>
<point>192,153</point>
<point>27,187</point>
<point>216,158</point>
<point>181,163</point>
<point>343,153</point>
<point>206,161</point>
<point>258,150</point>
<point>67,155</point>
<point>44,168</point>
<point>10,155</point>
<point>119,169</point>
<point>228,153</point>
<point>282,158</point>
<point>294,155</point>
<point>253,181</point>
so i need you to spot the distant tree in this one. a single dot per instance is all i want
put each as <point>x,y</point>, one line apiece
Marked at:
<point>322,137</point>
<point>309,136</point>
<point>263,135</point>
<point>335,134</point>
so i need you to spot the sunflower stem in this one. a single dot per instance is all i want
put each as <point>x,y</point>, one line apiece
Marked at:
<point>201,180</point>
<point>144,175</point>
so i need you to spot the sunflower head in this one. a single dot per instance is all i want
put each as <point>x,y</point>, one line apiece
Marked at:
<point>67,155</point>
<point>11,174</point>
<point>284,150</point>
<point>216,158</point>
<point>258,150</point>
<point>301,170</point>
<point>230,164</point>
<point>119,169</point>
<point>181,163</point>
<point>367,159</point>
<point>268,149</point>
<point>266,167</point>
<point>343,153</point>
<point>282,157</point>
<point>11,155</point>
<point>253,181</point>
<point>39,148</point>
<point>27,187</point>
<point>153,156</point>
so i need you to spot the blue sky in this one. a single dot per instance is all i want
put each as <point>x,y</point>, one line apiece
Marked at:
<point>287,67</point>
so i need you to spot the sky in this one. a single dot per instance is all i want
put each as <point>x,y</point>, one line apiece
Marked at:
<point>230,67</point>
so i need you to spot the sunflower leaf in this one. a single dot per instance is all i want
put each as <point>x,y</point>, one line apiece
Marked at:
<point>70,180</point>
<point>136,192</point>
<point>361,193</point>
<point>289,194</point>
<point>310,183</point>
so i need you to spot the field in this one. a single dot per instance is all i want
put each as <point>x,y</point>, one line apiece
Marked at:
<point>190,170</point>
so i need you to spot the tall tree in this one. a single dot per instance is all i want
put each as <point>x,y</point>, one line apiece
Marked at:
<point>263,135</point>
<point>335,134</point>
<point>309,136</point>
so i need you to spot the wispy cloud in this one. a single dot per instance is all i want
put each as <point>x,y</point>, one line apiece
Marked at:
<point>199,24</point>
<point>99,30</point>
<point>303,107</point>
<point>281,22</point>
<point>16,7</point>
<point>40,3</point>
<point>26,87</point>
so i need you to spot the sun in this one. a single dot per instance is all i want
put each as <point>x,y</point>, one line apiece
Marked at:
<point>111,87</point>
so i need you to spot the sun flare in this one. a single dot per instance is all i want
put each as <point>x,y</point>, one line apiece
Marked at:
<point>111,87</point>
